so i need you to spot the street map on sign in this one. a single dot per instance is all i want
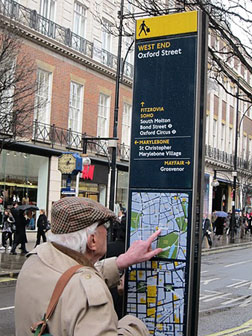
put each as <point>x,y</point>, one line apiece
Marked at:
<point>156,288</point>
<point>166,211</point>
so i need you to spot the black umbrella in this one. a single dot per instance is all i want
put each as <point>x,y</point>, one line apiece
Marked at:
<point>25,207</point>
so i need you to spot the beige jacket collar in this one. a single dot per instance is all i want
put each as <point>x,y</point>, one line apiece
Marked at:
<point>58,257</point>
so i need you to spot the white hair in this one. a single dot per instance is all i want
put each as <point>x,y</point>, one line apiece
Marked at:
<point>75,240</point>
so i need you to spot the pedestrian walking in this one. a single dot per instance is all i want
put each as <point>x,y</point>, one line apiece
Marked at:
<point>206,231</point>
<point>219,226</point>
<point>7,229</point>
<point>21,221</point>
<point>1,211</point>
<point>78,238</point>
<point>42,227</point>
<point>249,226</point>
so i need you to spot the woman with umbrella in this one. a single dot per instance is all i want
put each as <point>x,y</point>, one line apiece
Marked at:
<point>219,223</point>
<point>22,215</point>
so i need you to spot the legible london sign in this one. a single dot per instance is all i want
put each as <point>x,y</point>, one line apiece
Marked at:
<point>166,168</point>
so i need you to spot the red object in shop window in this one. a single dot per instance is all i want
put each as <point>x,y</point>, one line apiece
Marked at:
<point>88,172</point>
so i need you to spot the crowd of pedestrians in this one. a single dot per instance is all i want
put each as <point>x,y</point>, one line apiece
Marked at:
<point>220,225</point>
<point>13,223</point>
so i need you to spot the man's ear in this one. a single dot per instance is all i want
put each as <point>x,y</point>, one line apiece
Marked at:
<point>91,242</point>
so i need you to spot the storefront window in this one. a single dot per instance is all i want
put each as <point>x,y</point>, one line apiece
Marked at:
<point>122,188</point>
<point>91,190</point>
<point>23,178</point>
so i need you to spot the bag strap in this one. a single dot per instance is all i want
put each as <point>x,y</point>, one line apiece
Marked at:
<point>60,285</point>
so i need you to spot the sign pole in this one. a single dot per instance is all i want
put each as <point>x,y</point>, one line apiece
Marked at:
<point>166,170</point>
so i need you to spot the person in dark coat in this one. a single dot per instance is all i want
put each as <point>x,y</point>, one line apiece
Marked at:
<point>7,229</point>
<point>41,225</point>
<point>206,231</point>
<point>219,226</point>
<point>22,219</point>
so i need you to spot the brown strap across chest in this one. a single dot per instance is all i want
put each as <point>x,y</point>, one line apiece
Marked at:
<point>60,285</point>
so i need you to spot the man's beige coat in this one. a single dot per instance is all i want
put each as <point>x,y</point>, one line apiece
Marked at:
<point>85,307</point>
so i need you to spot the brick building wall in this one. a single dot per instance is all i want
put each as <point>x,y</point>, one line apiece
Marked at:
<point>63,71</point>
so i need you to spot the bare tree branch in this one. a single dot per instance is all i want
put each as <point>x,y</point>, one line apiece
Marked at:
<point>17,89</point>
<point>229,22</point>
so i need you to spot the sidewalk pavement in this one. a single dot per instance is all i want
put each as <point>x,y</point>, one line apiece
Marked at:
<point>10,265</point>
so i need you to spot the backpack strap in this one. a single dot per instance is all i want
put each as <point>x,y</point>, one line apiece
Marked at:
<point>60,285</point>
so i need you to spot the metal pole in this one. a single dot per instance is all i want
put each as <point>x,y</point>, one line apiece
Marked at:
<point>77,184</point>
<point>232,228</point>
<point>114,149</point>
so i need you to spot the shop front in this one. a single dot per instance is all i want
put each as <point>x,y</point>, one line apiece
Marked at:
<point>222,196</point>
<point>24,178</point>
<point>93,183</point>
<point>122,188</point>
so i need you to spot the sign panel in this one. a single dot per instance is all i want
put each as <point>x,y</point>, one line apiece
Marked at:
<point>163,113</point>
<point>163,167</point>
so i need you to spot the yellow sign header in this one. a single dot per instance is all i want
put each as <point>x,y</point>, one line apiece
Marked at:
<point>172,24</point>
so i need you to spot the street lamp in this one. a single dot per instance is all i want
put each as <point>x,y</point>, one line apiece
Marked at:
<point>215,182</point>
<point>234,174</point>
<point>116,108</point>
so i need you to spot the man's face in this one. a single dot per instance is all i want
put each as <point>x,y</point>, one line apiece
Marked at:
<point>101,243</point>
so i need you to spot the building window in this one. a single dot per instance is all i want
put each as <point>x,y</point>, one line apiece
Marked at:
<point>207,130</point>
<point>129,60</point>
<point>43,97</point>
<point>223,134</point>
<point>103,116</point>
<point>215,133</point>
<point>47,9</point>
<point>79,19</point>
<point>130,7</point>
<point>250,150</point>
<point>75,107</point>
<point>106,43</point>
<point>7,96</point>
<point>230,141</point>
<point>126,123</point>
<point>244,150</point>
<point>106,35</point>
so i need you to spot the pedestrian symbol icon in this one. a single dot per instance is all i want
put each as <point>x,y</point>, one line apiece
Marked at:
<point>143,28</point>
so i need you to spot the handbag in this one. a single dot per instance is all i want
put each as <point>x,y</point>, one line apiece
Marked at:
<point>48,226</point>
<point>41,327</point>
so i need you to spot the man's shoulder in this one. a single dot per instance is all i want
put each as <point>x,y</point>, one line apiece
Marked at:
<point>95,288</point>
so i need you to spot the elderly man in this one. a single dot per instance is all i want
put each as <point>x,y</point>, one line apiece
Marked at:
<point>85,307</point>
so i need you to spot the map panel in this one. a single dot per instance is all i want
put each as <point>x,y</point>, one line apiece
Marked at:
<point>156,288</point>
<point>167,211</point>
<point>156,296</point>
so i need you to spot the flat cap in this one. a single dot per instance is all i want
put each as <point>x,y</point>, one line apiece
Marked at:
<point>71,214</point>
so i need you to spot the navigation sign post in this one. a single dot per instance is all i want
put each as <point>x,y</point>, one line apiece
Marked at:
<point>166,170</point>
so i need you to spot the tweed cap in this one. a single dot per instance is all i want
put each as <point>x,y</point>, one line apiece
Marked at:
<point>71,214</point>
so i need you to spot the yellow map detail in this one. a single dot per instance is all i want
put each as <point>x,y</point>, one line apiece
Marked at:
<point>151,291</point>
<point>151,300</point>
<point>151,311</point>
